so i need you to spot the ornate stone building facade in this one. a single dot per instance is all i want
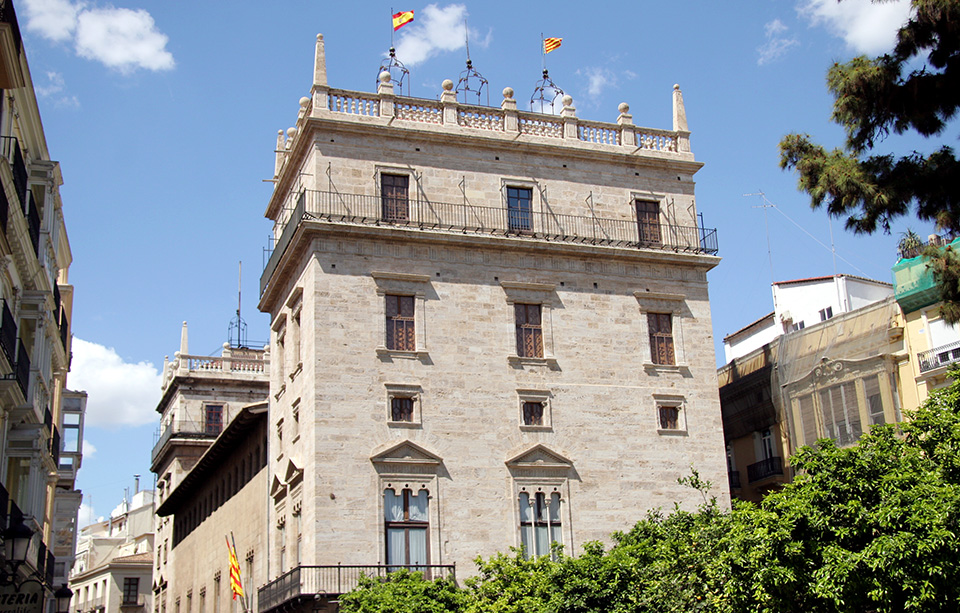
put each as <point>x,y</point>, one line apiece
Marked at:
<point>38,502</point>
<point>490,328</point>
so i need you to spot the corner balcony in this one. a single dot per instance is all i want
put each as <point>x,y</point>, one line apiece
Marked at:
<point>770,467</point>
<point>449,218</point>
<point>938,357</point>
<point>182,431</point>
<point>310,582</point>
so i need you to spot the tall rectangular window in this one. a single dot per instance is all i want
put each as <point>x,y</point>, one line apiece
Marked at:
<point>648,222</point>
<point>841,413</point>
<point>661,338</point>
<point>213,418</point>
<point>393,197</point>
<point>539,522</point>
<point>406,521</point>
<point>401,329</point>
<point>131,586</point>
<point>529,330</point>
<point>871,389</point>
<point>519,209</point>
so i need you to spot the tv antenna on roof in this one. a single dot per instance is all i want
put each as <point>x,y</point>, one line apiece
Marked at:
<point>464,84</point>
<point>237,325</point>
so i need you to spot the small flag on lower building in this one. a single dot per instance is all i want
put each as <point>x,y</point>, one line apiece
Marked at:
<point>236,585</point>
<point>549,44</point>
<point>401,19</point>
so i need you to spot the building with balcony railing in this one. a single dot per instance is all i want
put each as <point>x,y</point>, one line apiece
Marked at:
<point>210,456</point>
<point>113,571</point>
<point>477,304</point>
<point>37,301</point>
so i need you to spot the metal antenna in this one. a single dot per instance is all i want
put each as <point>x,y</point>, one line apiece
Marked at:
<point>464,85</point>
<point>237,323</point>
<point>766,205</point>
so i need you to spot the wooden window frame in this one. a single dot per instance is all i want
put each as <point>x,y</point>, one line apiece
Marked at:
<point>674,402</point>
<point>543,295</point>
<point>662,344</point>
<point>406,391</point>
<point>394,196</point>
<point>207,414</point>
<point>535,396</point>
<point>400,322</point>
<point>403,285</point>
<point>648,214</point>
<point>529,332</point>
<point>661,303</point>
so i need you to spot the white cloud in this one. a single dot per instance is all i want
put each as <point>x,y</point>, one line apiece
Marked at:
<point>120,38</point>
<point>865,26</point>
<point>435,30</point>
<point>55,20</point>
<point>54,90</point>
<point>87,449</point>
<point>121,393</point>
<point>777,44</point>
<point>598,79</point>
<point>86,516</point>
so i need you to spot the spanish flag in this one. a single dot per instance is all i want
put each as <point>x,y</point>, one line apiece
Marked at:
<point>401,19</point>
<point>549,44</point>
<point>236,586</point>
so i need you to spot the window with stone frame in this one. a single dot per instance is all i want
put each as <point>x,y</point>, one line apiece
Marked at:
<point>406,523</point>
<point>131,589</point>
<point>401,408</point>
<point>669,416</point>
<point>540,524</point>
<point>519,209</point>
<point>529,330</point>
<point>533,413</point>
<point>212,419</point>
<point>648,222</point>
<point>660,327</point>
<point>401,326</point>
<point>394,196</point>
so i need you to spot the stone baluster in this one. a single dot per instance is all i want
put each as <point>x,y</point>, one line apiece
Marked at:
<point>385,91</point>
<point>448,100</point>
<point>680,121</point>
<point>225,356</point>
<point>628,136</point>
<point>320,87</point>
<point>569,114</point>
<point>509,106</point>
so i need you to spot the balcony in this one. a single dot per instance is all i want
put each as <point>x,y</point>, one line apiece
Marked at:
<point>11,150</point>
<point>194,430</point>
<point>32,213</point>
<point>940,356</point>
<point>312,581</point>
<point>734,476</point>
<point>426,216</point>
<point>764,468</point>
<point>8,334</point>
<point>55,446</point>
<point>64,329</point>
<point>4,209</point>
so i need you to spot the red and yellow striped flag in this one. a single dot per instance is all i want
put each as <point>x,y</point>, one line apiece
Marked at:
<point>401,19</point>
<point>549,44</point>
<point>236,586</point>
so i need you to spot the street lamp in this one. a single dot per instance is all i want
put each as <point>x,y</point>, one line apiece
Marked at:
<point>63,596</point>
<point>16,543</point>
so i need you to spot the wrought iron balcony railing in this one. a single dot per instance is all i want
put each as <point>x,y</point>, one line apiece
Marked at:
<point>765,468</point>
<point>8,333</point>
<point>4,209</point>
<point>22,370</point>
<point>183,429</point>
<point>734,479</point>
<point>472,219</point>
<point>940,356</point>
<point>334,580</point>
<point>32,213</point>
<point>11,151</point>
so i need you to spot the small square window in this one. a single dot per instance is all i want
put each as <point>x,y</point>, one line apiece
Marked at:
<point>669,417</point>
<point>401,408</point>
<point>533,413</point>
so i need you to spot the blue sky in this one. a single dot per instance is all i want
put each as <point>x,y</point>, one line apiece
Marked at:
<point>164,118</point>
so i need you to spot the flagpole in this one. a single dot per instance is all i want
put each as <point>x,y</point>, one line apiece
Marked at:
<point>243,599</point>
<point>392,30</point>
<point>543,54</point>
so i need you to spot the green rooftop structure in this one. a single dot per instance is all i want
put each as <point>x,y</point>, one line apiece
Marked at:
<point>913,283</point>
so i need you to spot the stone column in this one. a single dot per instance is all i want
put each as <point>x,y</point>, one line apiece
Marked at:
<point>509,106</point>
<point>385,91</point>
<point>569,114</point>
<point>628,137</point>
<point>448,100</point>
<point>680,121</point>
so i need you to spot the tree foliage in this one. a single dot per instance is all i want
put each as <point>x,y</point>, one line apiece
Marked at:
<point>867,528</point>
<point>915,88</point>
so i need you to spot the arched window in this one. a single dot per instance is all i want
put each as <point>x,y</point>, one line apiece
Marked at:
<point>539,522</point>
<point>406,520</point>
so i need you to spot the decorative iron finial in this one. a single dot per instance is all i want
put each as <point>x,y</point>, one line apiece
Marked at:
<point>398,72</point>
<point>471,82</point>
<point>545,93</point>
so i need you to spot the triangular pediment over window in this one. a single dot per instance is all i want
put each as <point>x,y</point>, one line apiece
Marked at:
<point>406,455</point>
<point>277,488</point>
<point>292,474</point>
<point>539,457</point>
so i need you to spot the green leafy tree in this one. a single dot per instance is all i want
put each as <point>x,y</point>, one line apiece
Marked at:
<point>404,591</point>
<point>913,89</point>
